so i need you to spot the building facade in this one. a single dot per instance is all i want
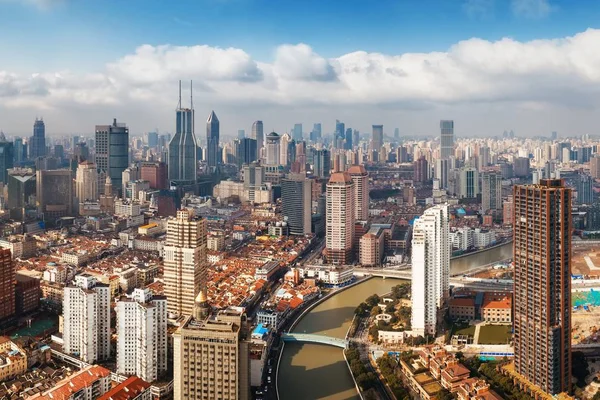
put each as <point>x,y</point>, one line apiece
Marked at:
<point>37,143</point>
<point>340,218</point>
<point>86,182</point>
<point>7,285</point>
<point>491,191</point>
<point>446,139</point>
<point>296,203</point>
<point>183,147</point>
<point>212,141</point>
<point>360,177</point>
<point>258,135</point>
<point>112,151</point>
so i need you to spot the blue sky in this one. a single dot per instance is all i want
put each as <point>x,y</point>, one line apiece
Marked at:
<point>401,63</point>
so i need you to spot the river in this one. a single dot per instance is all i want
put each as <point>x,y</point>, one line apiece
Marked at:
<point>312,371</point>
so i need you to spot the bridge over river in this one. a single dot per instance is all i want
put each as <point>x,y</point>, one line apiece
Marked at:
<point>311,338</point>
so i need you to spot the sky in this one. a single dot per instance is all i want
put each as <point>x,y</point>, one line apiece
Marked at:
<point>528,65</point>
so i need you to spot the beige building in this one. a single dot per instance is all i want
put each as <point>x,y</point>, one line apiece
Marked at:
<point>497,308</point>
<point>340,218</point>
<point>211,357</point>
<point>86,182</point>
<point>13,360</point>
<point>360,177</point>
<point>185,261</point>
<point>20,246</point>
<point>372,247</point>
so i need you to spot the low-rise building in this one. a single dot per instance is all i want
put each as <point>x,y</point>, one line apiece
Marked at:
<point>76,258</point>
<point>87,384</point>
<point>215,242</point>
<point>27,294</point>
<point>497,308</point>
<point>332,275</point>
<point>267,271</point>
<point>13,360</point>
<point>476,389</point>
<point>133,388</point>
<point>21,246</point>
<point>372,247</point>
<point>461,308</point>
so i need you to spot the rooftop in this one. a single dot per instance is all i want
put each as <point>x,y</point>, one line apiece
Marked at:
<point>126,390</point>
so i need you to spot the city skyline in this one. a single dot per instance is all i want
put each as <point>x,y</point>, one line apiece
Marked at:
<point>494,66</point>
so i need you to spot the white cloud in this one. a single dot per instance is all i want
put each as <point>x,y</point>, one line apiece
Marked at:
<point>550,73</point>
<point>532,8</point>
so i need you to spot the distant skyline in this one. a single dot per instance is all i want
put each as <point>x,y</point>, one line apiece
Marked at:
<point>490,65</point>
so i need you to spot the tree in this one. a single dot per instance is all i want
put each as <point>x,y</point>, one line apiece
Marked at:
<point>444,394</point>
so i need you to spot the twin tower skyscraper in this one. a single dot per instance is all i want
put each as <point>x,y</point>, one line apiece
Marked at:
<point>183,147</point>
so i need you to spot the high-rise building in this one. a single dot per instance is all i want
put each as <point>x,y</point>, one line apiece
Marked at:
<point>296,203</point>
<point>322,163</point>
<point>212,141</point>
<point>86,323</point>
<point>585,189</point>
<point>241,133</point>
<point>155,173</point>
<point>542,284</point>
<point>469,183</point>
<point>315,134</point>
<point>484,159</point>
<point>185,261</point>
<point>21,190</point>
<point>54,193</point>
<point>491,191</point>
<point>245,150</point>
<point>284,149</point>
<point>360,177</point>
<point>112,151</point>
<point>258,135</point>
<point>431,268</point>
<point>20,152</point>
<point>521,167</point>
<point>183,147</point>
<point>152,139</point>
<point>421,168</point>
<point>297,133</point>
<point>37,143</point>
<point>273,150</point>
<point>7,158</point>
<point>212,358</point>
<point>340,129</point>
<point>441,172</point>
<point>142,335</point>
<point>446,139</point>
<point>86,182</point>
<point>340,218</point>
<point>377,139</point>
<point>396,133</point>
<point>7,285</point>
<point>348,143</point>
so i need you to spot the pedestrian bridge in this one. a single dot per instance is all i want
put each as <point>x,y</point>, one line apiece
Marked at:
<point>310,338</point>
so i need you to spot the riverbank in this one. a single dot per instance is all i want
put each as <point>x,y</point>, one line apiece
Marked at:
<point>471,253</point>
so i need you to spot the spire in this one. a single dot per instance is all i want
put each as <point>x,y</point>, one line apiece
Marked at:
<point>212,117</point>
<point>191,95</point>
<point>179,104</point>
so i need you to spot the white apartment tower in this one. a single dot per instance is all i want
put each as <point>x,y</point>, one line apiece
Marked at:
<point>142,335</point>
<point>185,261</point>
<point>360,177</point>
<point>86,314</point>
<point>430,268</point>
<point>86,182</point>
<point>340,218</point>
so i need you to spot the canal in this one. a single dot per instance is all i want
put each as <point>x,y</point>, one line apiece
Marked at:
<point>312,371</point>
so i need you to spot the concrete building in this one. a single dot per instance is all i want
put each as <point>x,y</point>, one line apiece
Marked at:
<point>21,190</point>
<point>542,284</point>
<point>112,152</point>
<point>54,193</point>
<point>37,143</point>
<point>508,211</point>
<point>468,183</point>
<point>595,166</point>
<point>360,177</point>
<point>155,173</point>
<point>491,191</point>
<point>377,140</point>
<point>13,360</point>
<point>20,246</point>
<point>446,139</point>
<point>211,357</point>
<point>296,203</point>
<point>340,218</point>
<point>421,167</point>
<point>258,135</point>
<point>132,388</point>
<point>86,182</point>
<point>86,312</point>
<point>431,268</point>
<point>185,261</point>
<point>7,286</point>
<point>372,247</point>
<point>87,384</point>
<point>273,155</point>
<point>142,335</point>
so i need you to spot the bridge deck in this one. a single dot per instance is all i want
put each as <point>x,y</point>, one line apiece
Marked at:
<point>310,338</point>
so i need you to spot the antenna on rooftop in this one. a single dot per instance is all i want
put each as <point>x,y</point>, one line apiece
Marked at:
<point>191,95</point>
<point>179,104</point>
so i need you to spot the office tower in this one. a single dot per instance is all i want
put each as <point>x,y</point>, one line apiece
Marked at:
<point>554,135</point>
<point>142,335</point>
<point>340,219</point>
<point>396,133</point>
<point>340,129</point>
<point>421,169</point>
<point>484,159</point>
<point>81,152</point>
<point>491,191</point>
<point>54,193</point>
<point>185,261</point>
<point>360,177</point>
<point>315,134</point>
<point>211,357</point>
<point>441,172</point>
<point>585,189</point>
<point>542,284</point>
<point>258,135</point>
<point>355,137</point>
<point>59,151</point>
<point>183,146</point>
<point>348,144</point>
<point>431,268</point>
<point>86,319</point>
<point>521,167</point>
<point>7,158</point>
<point>20,153</point>
<point>446,139</point>
<point>595,166</point>
<point>296,203</point>
<point>152,139</point>
<point>155,173</point>
<point>86,182</point>
<point>468,183</point>
<point>377,139</point>
<point>322,163</point>
<point>7,285</point>
<point>37,143</point>
<point>297,133</point>
<point>112,151</point>
<point>241,134</point>
<point>245,151</point>
<point>273,156</point>
<point>212,141</point>
<point>284,149</point>
<point>21,190</point>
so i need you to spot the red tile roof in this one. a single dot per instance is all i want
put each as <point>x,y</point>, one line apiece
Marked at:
<point>74,383</point>
<point>126,390</point>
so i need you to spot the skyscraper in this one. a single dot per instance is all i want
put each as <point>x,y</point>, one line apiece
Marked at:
<point>183,147</point>
<point>86,326</point>
<point>348,143</point>
<point>340,130</point>
<point>396,133</point>
<point>296,203</point>
<point>155,173</point>
<point>297,133</point>
<point>273,151</point>
<point>491,191</point>
<point>585,189</point>
<point>441,171</point>
<point>360,177</point>
<point>284,149</point>
<point>258,135</point>
<point>431,268</point>
<point>245,151</point>
<point>7,158</point>
<point>468,183</point>
<point>340,219</point>
<point>212,141</point>
<point>21,190</point>
<point>54,193</point>
<point>86,182</point>
<point>322,163</point>
<point>185,261</point>
<point>377,139</point>
<point>142,335</point>
<point>421,169</point>
<point>542,284</point>
<point>446,139</point>
<point>7,286</point>
<point>20,152</point>
<point>112,151</point>
<point>37,143</point>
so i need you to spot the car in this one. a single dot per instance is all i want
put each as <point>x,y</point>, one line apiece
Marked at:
<point>269,379</point>
<point>270,370</point>
<point>266,389</point>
